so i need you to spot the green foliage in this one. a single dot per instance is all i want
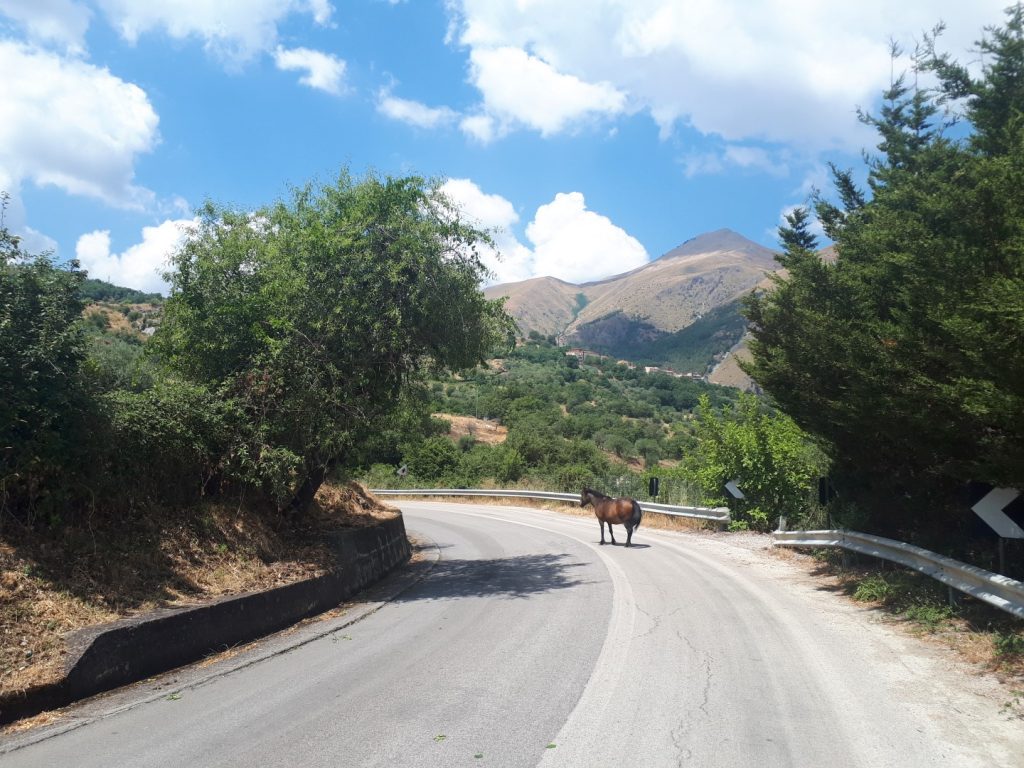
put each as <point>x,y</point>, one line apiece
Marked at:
<point>432,458</point>
<point>501,464</point>
<point>903,357</point>
<point>100,290</point>
<point>42,397</point>
<point>931,617</point>
<point>316,314</point>
<point>568,424</point>
<point>119,361</point>
<point>581,303</point>
<point>767,455</point>
<point>916,597</point>
<point>1008,644</point>
<point>171,443</point>
<point>874,589</point>
<point>98,321</point>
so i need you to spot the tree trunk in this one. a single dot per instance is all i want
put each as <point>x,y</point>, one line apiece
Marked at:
<point>304,496</point>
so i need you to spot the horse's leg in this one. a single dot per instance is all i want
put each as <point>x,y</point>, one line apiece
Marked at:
<point>629,535</point>
<point>611,531</point>
<point>601,523</point>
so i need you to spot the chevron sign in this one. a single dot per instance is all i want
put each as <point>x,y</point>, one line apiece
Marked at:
<point>1003,510</point>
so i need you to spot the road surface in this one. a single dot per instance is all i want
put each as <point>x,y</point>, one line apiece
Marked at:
<point>519,641</point>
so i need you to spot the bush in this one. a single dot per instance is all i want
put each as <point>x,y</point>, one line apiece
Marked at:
<point>432,458</point>
<point>43,402</point>
<point>874,589</point>
<point>772,461</point>
<point>114,362</point>
<point>573,478</point>
<point>177,441</point>
<point>1009,644</point>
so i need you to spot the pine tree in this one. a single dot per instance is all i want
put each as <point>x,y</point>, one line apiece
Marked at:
<point>904,358</point>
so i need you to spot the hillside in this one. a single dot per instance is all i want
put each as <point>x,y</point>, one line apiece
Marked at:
<point>543,304</point>
<point>680,310</point>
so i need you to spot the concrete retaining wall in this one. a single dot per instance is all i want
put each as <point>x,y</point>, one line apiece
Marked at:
<point>111,655</point>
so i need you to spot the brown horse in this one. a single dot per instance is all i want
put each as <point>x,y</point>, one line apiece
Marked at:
<point>618,511</point>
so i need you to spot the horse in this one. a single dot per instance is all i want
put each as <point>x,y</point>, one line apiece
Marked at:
<point>625,512</point>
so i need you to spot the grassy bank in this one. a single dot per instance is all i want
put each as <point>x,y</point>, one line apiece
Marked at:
<point>55,582</point>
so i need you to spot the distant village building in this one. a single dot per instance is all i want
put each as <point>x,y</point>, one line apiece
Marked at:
<point>670,372</point>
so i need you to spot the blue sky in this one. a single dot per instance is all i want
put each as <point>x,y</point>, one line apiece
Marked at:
<point>594,134</point>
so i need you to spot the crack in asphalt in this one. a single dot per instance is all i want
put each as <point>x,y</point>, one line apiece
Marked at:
<point>681,731</point>
<point>655,623</point>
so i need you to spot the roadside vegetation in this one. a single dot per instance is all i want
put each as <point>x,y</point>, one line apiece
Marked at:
<point>132,474</point>
<point>568,424</point>
<point>980,633</point>
<point>902,358</point>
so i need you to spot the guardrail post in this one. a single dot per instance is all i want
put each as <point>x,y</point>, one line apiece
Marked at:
<point>953,601</point>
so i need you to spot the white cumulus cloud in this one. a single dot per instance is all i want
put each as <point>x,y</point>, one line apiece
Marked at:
<point>324,71</point>
<point>60,22</point>
<point>67,123</point>
<point>141,265</point>
<point>569,241</point>
<point>512,261</point>
<point>785,71</point>
<point>479,127</point>
<point>575,244</point>
<point>235,30</point>
<point>520,88</point>
<point>413,112</point>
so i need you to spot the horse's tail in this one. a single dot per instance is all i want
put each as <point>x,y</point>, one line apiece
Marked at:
<point>637,514</point>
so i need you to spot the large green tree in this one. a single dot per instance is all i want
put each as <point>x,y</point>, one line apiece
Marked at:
<point>904,357</point>
<point>316,313</point>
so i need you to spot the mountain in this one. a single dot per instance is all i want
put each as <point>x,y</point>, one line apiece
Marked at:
<point>543,304</point>
<point>644,314</point>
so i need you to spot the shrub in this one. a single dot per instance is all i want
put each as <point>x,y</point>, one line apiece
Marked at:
<point>1009,644</point>
<point>170,443</point>
<point>432,458</point>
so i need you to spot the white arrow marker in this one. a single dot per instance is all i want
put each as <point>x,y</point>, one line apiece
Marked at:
<point>990,509</point>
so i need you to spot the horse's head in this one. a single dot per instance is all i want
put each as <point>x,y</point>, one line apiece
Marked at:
<point>585,497</point>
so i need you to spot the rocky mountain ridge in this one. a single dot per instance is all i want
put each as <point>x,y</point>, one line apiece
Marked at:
<point>640,309</point>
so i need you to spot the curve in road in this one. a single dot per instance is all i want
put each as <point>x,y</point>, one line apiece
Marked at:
<point>526,643</point>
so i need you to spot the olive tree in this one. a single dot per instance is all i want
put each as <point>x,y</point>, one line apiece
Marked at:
<point>316,313</point>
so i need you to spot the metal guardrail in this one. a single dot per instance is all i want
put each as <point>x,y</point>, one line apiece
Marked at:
<point>717,514</point>
<point>1001,591</point>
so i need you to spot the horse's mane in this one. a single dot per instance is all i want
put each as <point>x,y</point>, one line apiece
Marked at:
<point>592,492</point>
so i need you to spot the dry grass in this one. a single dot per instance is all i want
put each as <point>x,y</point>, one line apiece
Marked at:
<point>482,430</point>
<point>979,633</point>
<point>52,583</point>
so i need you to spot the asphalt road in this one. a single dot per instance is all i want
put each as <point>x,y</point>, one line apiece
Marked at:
<point>522,642</point>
